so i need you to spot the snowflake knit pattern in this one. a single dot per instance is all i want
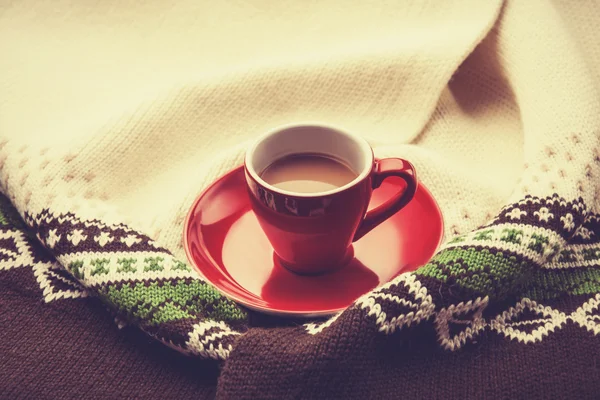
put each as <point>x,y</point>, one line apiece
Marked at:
<point>499,113</point>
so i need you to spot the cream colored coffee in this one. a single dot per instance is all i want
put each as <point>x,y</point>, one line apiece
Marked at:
<point>308,173</point>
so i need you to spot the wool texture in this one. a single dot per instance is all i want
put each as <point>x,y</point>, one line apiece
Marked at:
<point>115,115</point>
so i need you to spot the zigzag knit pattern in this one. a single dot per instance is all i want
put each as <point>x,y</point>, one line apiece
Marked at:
<point>142,283</point>
<point>535,250</point>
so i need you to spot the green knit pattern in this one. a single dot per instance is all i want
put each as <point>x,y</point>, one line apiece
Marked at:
<point>551,284</point>
<point>483,271</point>
<point>153,303</point>
<point>538,249</point>
<point>141,282</point>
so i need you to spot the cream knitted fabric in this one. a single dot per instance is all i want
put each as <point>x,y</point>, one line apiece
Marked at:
<point>125,111</point>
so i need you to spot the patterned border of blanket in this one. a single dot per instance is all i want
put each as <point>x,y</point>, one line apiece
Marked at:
<point>504,278</point>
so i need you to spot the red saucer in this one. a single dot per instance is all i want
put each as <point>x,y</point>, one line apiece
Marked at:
<point>226,245</point>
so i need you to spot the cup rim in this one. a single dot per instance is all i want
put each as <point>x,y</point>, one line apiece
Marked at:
<point>363,144</point>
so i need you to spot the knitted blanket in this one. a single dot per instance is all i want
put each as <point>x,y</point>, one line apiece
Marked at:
<point>115,115</point>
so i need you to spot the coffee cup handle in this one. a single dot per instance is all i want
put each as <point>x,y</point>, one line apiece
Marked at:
<point>383,169</point>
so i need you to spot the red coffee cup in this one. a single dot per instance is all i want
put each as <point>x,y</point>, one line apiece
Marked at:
<point>313,232</point>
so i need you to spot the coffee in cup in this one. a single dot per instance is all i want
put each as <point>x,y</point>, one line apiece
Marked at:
<point>310,187</point>
<point>308,173</point>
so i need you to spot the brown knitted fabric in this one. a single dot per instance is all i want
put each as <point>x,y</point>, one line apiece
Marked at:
<point>350,363</point>
<point>72,349</point>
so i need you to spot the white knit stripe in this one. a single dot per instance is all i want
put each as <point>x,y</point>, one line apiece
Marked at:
<point>579,255</point>
<point>22,257</point>
<point>112,268</point>
<point>550,320</point>
<point>455,314</point>
<point>588,316</point>
<point>205,346</point>
<point>542,321</point>
<point>51,272</point>
<point>422,306</point>
<point>218,335</point>
<point>314,328</point>
<point>10,234</point>
<point>78,237</point>
<point>7,252</point>
<point>393,298</point>
<point>42,273</point>
<point>45,218</point>
<point>409,280</point>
